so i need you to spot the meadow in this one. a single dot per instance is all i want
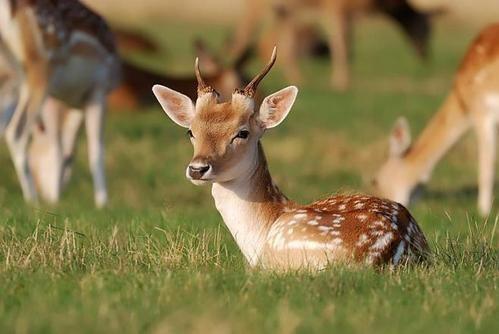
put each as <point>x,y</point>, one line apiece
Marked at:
<point>158,259</point>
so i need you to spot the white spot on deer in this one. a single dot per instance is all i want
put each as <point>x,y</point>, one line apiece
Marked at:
<point>359,206</point>
<point>313,223</point>
<point>399,252</point>
<point>318,217</point>
<point>363,239</point>
<point>292,222</point>
<point>300,216</point>
<point>338,220</point>
<point>335,233</point>
<point>342,207</point>
<point>362,217</point>
<point>383,241</point>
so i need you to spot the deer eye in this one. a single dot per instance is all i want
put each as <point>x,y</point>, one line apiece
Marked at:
<point>243,134</point>
<point>189,133</point>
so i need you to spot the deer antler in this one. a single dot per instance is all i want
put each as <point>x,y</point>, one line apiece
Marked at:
<point>203,88</point>
<point>250,88</point>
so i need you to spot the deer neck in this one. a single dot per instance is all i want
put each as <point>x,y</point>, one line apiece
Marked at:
<point>249,205</point>
<point>441,133</point>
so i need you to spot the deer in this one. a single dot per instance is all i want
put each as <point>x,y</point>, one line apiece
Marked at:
<point>134,90</point>
<point>336,17</point>
<point>472,103</point>
<point>272,231</point>
<point>66,63</point>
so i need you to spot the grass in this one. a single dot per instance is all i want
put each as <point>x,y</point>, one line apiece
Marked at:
<point>159,260</point>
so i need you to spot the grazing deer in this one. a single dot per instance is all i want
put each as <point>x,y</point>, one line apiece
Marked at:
<point>271,230</point>
<point>336,17</point>
<point>134,90</point>
<point>473,102</point>
<point>65,56</point>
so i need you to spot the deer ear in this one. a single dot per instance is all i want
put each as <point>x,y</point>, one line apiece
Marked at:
<point>177,106</point>
<point>400,138</point>
<point>276,107</point>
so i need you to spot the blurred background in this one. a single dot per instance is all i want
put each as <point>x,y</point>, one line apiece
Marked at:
<point>335,140</point>
<point>230,11</point>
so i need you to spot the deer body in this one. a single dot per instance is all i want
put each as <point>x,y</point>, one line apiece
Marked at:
<point>62,52</point>
<point>473,103</point>
<point>272,231</point>
<point>335,16</point>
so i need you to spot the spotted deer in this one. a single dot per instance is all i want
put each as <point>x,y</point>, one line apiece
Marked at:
<point>65,58</point>
<point>286,18</point>
<point>271,230</point>
<point>473,103</point>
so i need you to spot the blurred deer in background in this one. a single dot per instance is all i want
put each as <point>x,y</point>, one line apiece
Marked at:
<point>65,63</point>
<point>473,102</point>
<point>271,230</point>
<point>286,21</point>
<point>135,91</point>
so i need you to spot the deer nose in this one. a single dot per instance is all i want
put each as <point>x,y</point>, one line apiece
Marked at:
<point>197,171</point>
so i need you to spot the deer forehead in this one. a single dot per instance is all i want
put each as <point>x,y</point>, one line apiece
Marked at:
<point>219,120</point>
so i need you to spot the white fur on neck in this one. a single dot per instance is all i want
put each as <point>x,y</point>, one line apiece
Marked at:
<point>244,224</point>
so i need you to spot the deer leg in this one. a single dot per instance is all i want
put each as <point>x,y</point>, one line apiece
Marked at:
<point>9,96</point>
<point>337,23</point>
<point>486,133</point>
<point>17,136</point>
<point>94,125</point>
<point>45,154</point>
<point>289,53</point>
<point>71,125</point>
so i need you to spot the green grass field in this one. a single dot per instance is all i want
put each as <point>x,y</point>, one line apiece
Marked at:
<point>159,259</point>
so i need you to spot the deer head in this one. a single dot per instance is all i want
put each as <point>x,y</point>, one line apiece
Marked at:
<point>394,179</point>
<point>225,135</point>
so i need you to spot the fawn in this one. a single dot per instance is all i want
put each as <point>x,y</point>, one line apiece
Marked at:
<point>271,230</point>
<point>473,102</point>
